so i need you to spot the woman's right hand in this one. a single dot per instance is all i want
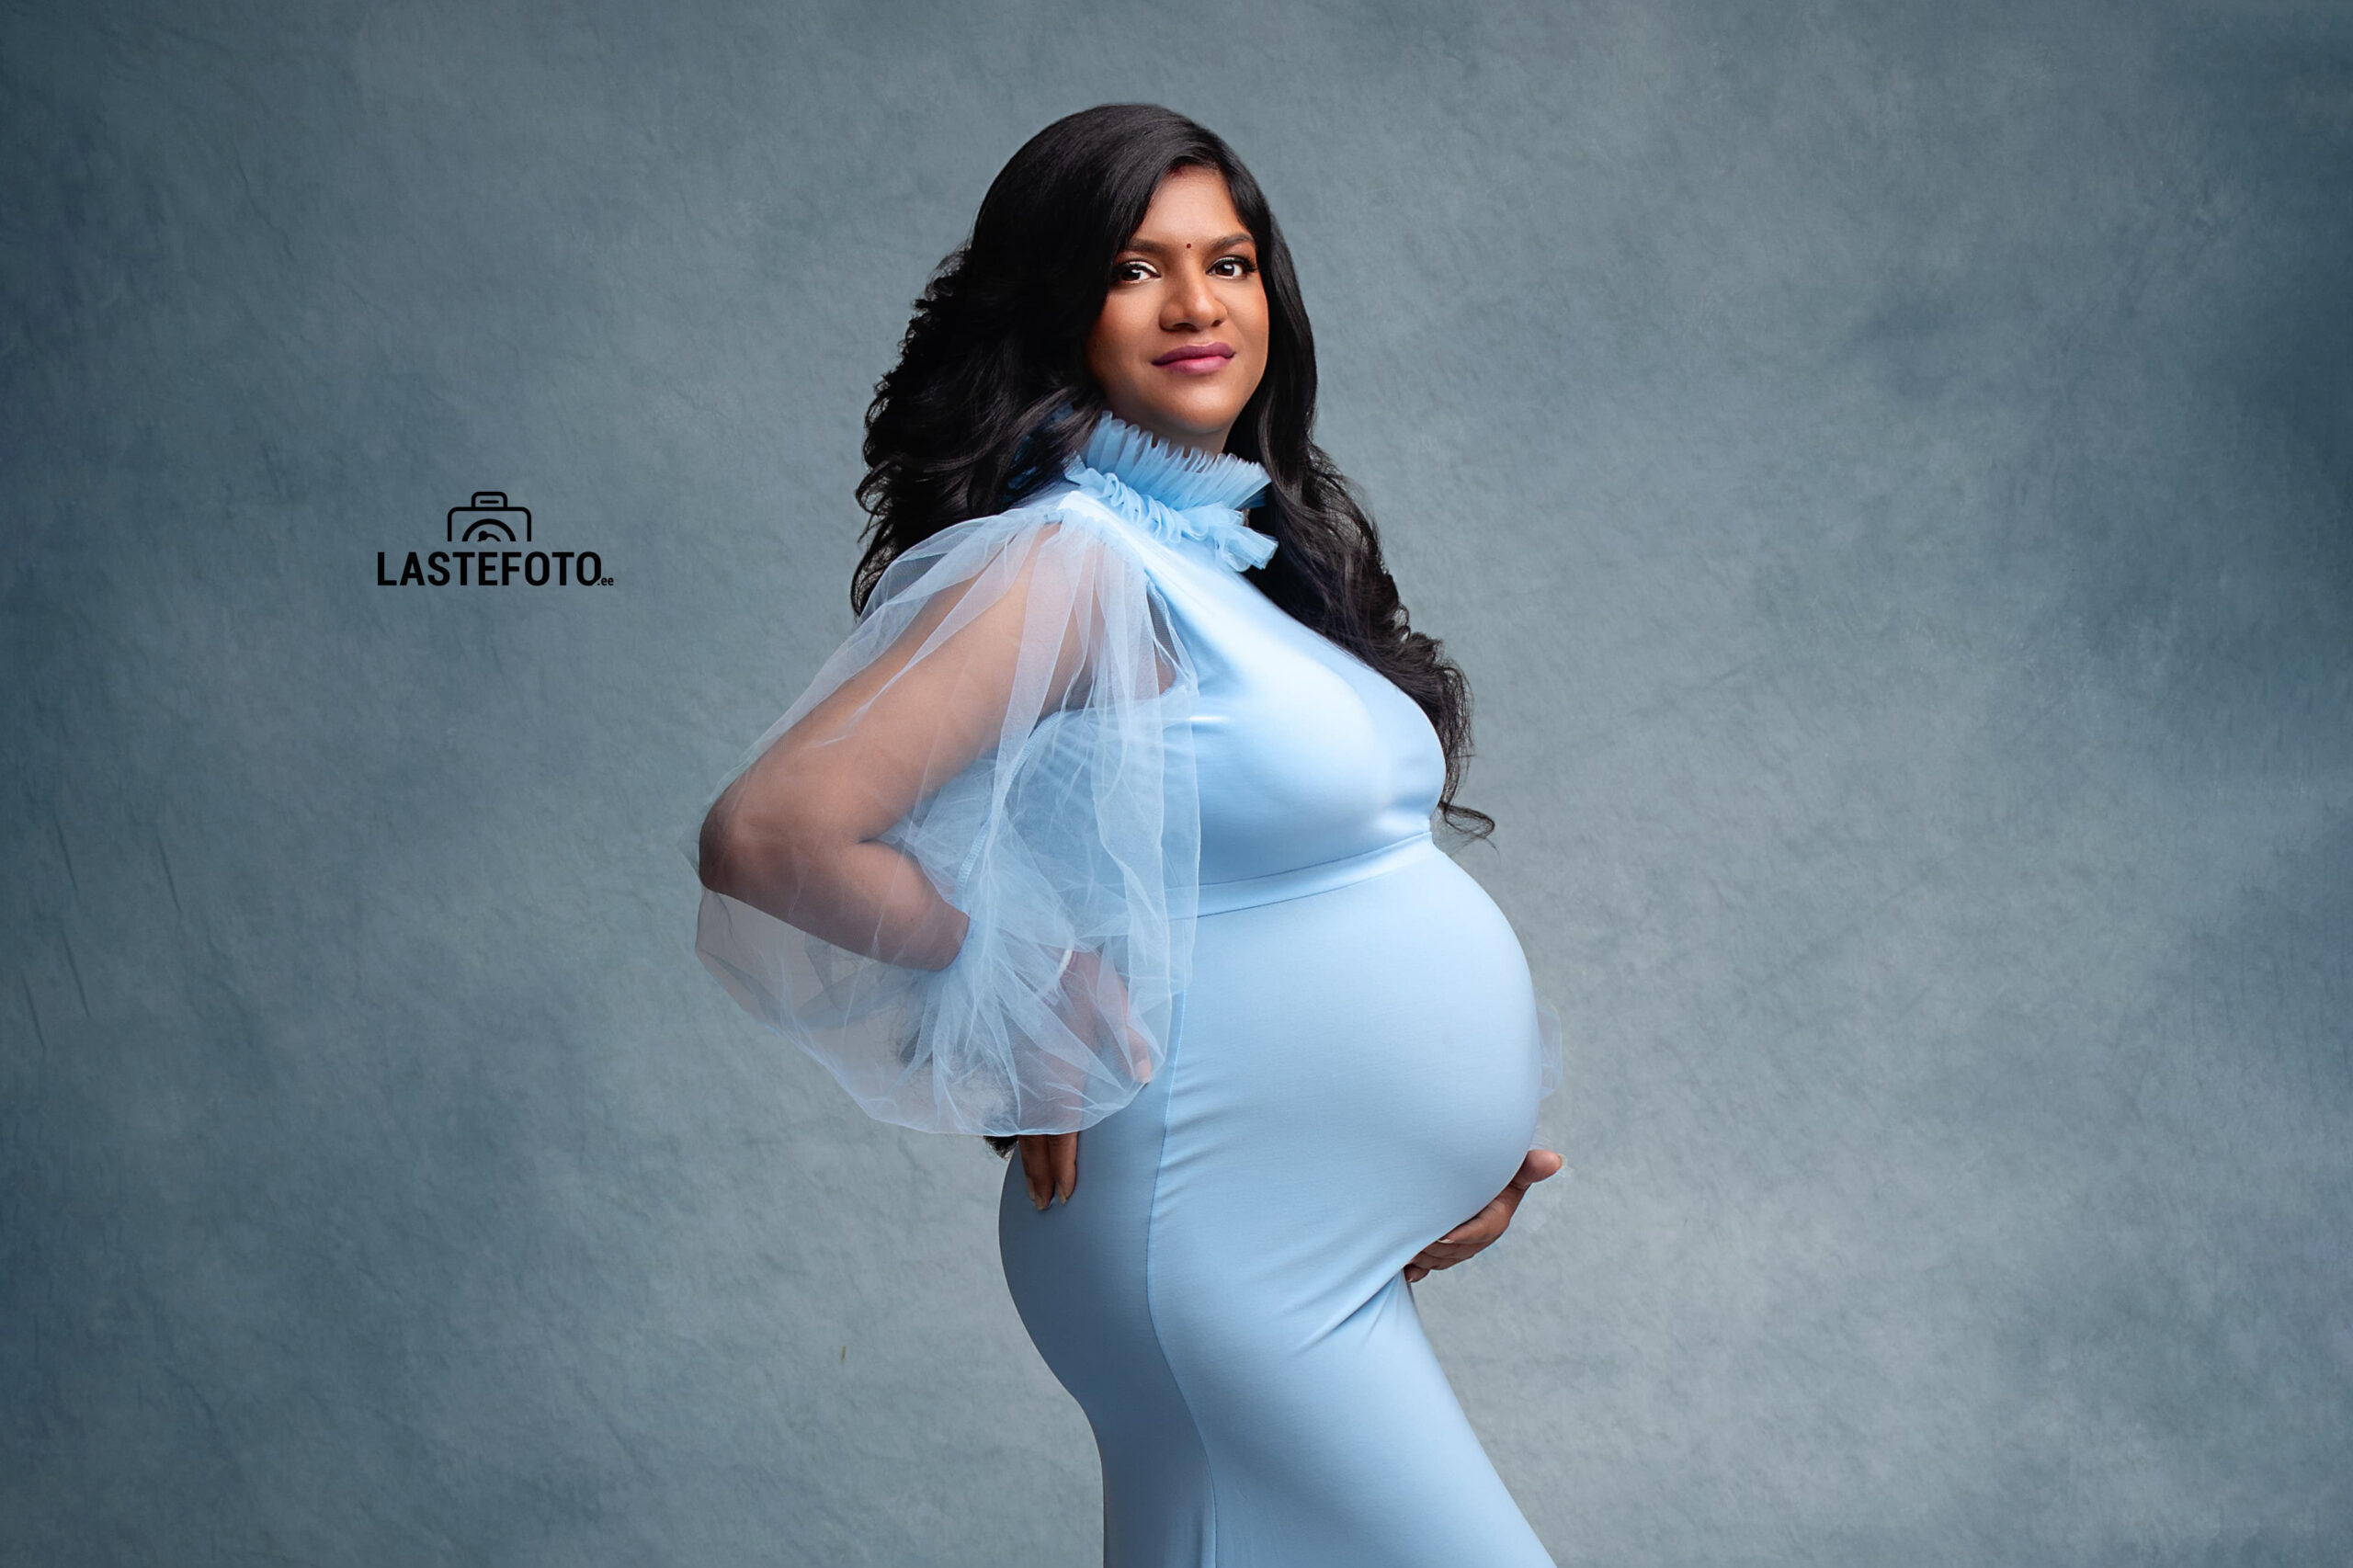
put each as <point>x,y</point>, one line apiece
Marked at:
<point>1093,1004</point>
<point>1049,1165</point>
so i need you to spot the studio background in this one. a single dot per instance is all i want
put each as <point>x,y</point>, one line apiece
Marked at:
<point>1884,469</point>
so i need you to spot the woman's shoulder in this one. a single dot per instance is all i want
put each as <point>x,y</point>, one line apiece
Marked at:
<point>1080,528</point>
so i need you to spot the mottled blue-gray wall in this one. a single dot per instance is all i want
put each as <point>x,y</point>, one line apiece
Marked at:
<point>1885,468</point>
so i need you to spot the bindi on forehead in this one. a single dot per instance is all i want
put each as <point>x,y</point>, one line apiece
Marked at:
<point>1158,248</point>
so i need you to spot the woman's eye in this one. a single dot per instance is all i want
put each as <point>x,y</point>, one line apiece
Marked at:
<point>1224,266</point>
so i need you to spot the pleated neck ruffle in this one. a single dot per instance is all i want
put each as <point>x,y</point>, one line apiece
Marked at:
<point>1175,492</point>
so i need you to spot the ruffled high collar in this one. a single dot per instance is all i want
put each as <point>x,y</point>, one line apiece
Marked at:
<point>1174,491</point>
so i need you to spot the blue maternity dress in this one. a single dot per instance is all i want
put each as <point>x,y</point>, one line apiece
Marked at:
<point>1210,926</point>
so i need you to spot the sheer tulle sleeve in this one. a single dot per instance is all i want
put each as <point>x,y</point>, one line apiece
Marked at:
<point>1009,722</point>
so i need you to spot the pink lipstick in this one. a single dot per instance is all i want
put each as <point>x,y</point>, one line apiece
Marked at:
<point>1196,358</point>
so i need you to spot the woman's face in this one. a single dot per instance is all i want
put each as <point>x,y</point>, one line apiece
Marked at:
<point>1182,340</point>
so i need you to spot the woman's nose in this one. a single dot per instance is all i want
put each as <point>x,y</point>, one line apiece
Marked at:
<point>1192,304</point>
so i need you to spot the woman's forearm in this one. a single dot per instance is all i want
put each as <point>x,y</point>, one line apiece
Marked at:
<point>861,895</point>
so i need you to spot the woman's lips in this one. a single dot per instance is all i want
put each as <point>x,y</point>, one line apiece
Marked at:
<point>1196,358</point>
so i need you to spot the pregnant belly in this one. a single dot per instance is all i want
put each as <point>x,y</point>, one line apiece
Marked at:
<point>1367,1054</point>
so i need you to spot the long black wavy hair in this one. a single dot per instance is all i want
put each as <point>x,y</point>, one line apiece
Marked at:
<point>991,396</point>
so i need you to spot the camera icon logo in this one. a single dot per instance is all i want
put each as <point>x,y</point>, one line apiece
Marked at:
<point>490,518</point>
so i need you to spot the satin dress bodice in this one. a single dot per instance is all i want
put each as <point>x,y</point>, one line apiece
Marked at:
<point>1306,756</point>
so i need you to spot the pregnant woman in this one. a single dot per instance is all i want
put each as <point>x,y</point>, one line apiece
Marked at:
<point>1106,835</point>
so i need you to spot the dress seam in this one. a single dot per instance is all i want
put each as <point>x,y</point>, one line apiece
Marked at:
<point>1388,858</point>
<point>1150,1308</point>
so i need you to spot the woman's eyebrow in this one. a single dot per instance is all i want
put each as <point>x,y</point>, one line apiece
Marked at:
<point>1153,247</point>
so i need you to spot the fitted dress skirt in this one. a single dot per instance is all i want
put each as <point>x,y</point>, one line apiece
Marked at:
<point>1355,1072</point>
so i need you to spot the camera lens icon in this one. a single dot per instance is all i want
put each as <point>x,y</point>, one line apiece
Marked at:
<point>490,518</point>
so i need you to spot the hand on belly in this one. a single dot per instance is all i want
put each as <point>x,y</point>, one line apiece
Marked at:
<point>1482,1229</point>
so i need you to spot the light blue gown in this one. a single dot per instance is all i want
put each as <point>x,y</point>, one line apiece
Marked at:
<point>1332,1054</point>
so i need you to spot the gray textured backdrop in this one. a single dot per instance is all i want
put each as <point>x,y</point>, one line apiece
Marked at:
<point>1885,468</point>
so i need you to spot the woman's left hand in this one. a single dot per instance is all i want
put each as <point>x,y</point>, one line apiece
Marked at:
<point>1482,1229</point>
